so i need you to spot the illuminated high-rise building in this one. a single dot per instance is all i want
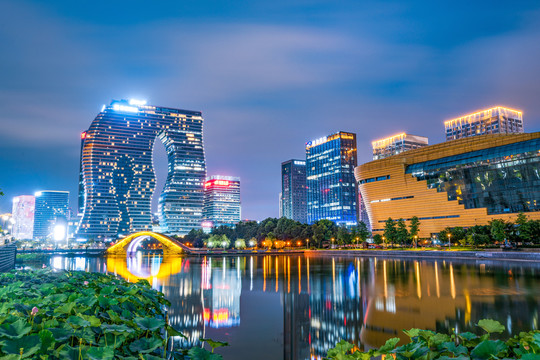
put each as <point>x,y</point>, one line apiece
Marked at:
<point>293,190</point>
<point>118,173</point>
<point>51,209</point>
<point>397,144</point>
<point>222,200</point>
<point>331,189</point>
<point>496,120</point>
<point>23,216</point>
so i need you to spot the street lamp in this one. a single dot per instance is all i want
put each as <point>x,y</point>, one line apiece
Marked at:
<point>307,243</point>
<point>332,243</point>
<point>449,242</point>
<point>415,241</point>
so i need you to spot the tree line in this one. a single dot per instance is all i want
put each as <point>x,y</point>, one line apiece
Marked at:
<point>277,233</point>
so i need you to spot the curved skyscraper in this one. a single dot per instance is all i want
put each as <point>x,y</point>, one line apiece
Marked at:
<point>118,174</point>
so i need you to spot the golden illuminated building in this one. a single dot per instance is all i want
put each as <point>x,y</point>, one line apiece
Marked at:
<point>496,120</point>
<point>397,144</point>
<point>458,183</point>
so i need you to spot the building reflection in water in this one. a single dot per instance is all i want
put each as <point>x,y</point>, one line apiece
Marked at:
<point>362,300</point>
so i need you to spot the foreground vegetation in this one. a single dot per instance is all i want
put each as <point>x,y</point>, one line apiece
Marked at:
<point>425,344</point>
<point>80,315</point>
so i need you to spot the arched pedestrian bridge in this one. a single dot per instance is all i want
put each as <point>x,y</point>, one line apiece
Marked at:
<point>129,244</point>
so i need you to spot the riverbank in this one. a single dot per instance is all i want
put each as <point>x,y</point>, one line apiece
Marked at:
<point>432,254</point>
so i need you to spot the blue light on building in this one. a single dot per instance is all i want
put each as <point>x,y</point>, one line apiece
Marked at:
<point>51,209</point>
<point>331,189</point>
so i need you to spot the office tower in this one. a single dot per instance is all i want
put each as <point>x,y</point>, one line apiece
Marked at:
<point>23,217</point>
<point>51,210</point>
<point>331,188</point>
<point>458,183</point>
<point>80,200</point>
<point>497,120</point>
<point>397,144</point>
<point>118,172</point>
<point>222,200</point>
<point>293,190</point>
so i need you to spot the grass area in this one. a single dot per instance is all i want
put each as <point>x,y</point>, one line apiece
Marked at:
<point>32,258</point>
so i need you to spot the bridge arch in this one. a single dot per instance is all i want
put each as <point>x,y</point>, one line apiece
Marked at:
<point>129,244</point>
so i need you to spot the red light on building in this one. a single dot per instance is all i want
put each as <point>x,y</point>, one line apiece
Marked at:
<point>83,135</point>
<point>216,183</point>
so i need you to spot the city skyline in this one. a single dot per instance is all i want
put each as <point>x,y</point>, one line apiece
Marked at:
<point>306,68</point>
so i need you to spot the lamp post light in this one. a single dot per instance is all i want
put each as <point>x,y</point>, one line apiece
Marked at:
<point>332,243</point>
<point>415,241</point>
<point>307,243</point>
<point>357,241</point>
<point>449,242</point>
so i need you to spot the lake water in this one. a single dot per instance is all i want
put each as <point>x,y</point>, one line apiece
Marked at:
<point>296,307</point>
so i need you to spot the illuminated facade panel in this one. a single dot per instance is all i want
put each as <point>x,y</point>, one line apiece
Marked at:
<point>222,200</point>
<point>23,216</point>
<point>118,174</point>
<point>397,144</point>
<point>331,187</point>
<point>497,120</point>
<point>462,183</point>
<point>293,190</point>
<point>51,209</point>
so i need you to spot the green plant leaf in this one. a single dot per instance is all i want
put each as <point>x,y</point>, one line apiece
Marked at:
<point>173,332</point>
<point>450,346</point>
<point>29,345</point>
<point>388,346</point>
<point>47,340</point>
<point>117,329</point>
<point>61,334</point>
<point>15,330</point>
<point>94,321</point>
<point>531,357</point>
<point>78,321</point>
<point>340,352</point>
<point>412,332</point>
<point>198,353</point>
<point>145,345</point>
<point>491,326</point>
<point>67,308</point>
<point>100,353</point>
<point>215,344</point>
<point>460,357</point>
<point>489,348</point>
<point>149,323</point>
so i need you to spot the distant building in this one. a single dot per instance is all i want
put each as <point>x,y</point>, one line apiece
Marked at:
<point>80,199</point>
<point>397,144</point>
<point>458,183</point>
<point>23,217</point>
<point>222,200</point>
<point>331,188</point>
<point>293,190</point>
<point>118,174</point>
<point>51,209</point>
<point>497,120</point>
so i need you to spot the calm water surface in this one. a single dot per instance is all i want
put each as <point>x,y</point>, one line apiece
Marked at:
<point>296,307</point>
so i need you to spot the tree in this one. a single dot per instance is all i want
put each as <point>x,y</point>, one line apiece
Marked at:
<point>377,239</point>
<point>362,231</point>
<point>498,230</point>
<point>402,234</point>
<point>343,236</point>
<point>240,244</point>
<point>323,230</point>
<point>390,231</point>
<point>224,241</point>
<point>414,229</point>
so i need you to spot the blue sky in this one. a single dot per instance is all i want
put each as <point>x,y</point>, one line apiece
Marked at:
<point>267,75</point>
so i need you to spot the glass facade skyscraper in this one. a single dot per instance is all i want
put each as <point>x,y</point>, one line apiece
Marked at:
<point>23,216</point>
<point>51,209</point>
<point>293,190</point>
<point>222,200</point>
<point>397,144</point>
<point>331,187</point>
<point>118,173</point>
<point>497,120</point>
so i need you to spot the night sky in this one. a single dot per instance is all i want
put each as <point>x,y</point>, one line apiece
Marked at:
<point>267,75</point>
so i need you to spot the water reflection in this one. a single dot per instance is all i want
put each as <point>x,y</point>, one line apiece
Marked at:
<point>296,307</point>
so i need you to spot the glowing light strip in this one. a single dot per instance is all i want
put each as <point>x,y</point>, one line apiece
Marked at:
<point>471,117</point>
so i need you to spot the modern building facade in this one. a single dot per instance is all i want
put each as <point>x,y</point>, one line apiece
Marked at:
<point>496,120</point>
<point>293,190</point>
<point>331,187</point>
<point>23,217</point>
<point>222,200</point>
<point>397,144</point>
<point>458,183</point>
<point>118,173</point>
<point>51,210</point>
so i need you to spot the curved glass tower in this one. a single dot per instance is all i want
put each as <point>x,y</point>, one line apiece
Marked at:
<point>118,174</point>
